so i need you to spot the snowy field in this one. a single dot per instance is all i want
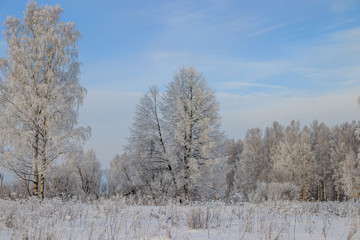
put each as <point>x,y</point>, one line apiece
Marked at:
<point>115,219</point>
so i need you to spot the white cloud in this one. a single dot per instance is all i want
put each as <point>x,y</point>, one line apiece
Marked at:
<point>241,113</point>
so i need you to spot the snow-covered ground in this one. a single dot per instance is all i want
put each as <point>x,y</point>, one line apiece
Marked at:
<point>115,219</point>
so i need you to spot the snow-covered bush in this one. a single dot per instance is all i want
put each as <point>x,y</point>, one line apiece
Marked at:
<point>274,191</point>
<point>79,176</point>
<point>260,194</point>
<point>282,191</point>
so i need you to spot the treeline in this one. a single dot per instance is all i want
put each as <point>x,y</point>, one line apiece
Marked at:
<point>176,148</point>
<point>78,176</point>
<point>315,163</point>
<point>312,163</point>
<point>176,151</point>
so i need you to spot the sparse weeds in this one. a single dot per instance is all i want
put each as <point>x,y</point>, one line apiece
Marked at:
<point>115,219</point>
<point>196,218</point>
<point>353,223</point>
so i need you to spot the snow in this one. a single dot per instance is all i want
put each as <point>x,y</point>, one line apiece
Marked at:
<point>116,219</point>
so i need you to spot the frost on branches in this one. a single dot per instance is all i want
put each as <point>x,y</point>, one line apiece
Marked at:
<point>176,142</point>
<point>40,93</point>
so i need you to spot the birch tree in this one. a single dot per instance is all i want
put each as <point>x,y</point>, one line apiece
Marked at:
<point>88,169</point>
<point>40,94</point>
<point>272,138</point>
<point>350,175</point>
<point>320,165</point>
<point>233,152</point>
<point>175,143</point>
<point>285,157</point>
<point>191,114</point>
<point>295,156</point>
<point>147,145</point>
<point>251,162</point>
<point>338,152</point>
<point>121,175</point>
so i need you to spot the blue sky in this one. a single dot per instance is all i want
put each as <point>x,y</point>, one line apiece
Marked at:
<point>266,60</point>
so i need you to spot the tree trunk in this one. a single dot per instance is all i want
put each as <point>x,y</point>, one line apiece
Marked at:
<point>177,192</point>
<point>230,182</point>
<point>43,160</point>
<point>304,188</point>
<point>186,181</point>
<point>42,176</point>
<point>42,185</point>
<point>36,171</point>
<point>187,172</point>
<point>36,182</point>
<point>304,194</point>
<point>325,194</point>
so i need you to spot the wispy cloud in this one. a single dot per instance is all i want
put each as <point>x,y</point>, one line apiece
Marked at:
<point>341,5</point>
<point>234,85</point>
<point>268,29</point>
<point>331,76</point>
<point>237,23</point>
<point>345,36</point>
<point>174,13</point>
<point>219,68</point>
<point>341,23</point>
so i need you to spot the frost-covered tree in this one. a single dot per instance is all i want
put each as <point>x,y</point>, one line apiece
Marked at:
<point>285,165</point>
<point>343,142</point>
<point>192,120</point>
<point>78,176</point>
<point>233,151</point>
<point>122,175</point>
<point>272,139</point>
<point>304,157</point>
<point>320,166</point>
<point>40,93</point>
<point>64,180</point>
<point>148,149</point>
<point>175,142</point>
<point>295,156</point>
<point>250,164</point>
<point>337,155</point>
<point>88,168</point>
<point>350,176</point>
